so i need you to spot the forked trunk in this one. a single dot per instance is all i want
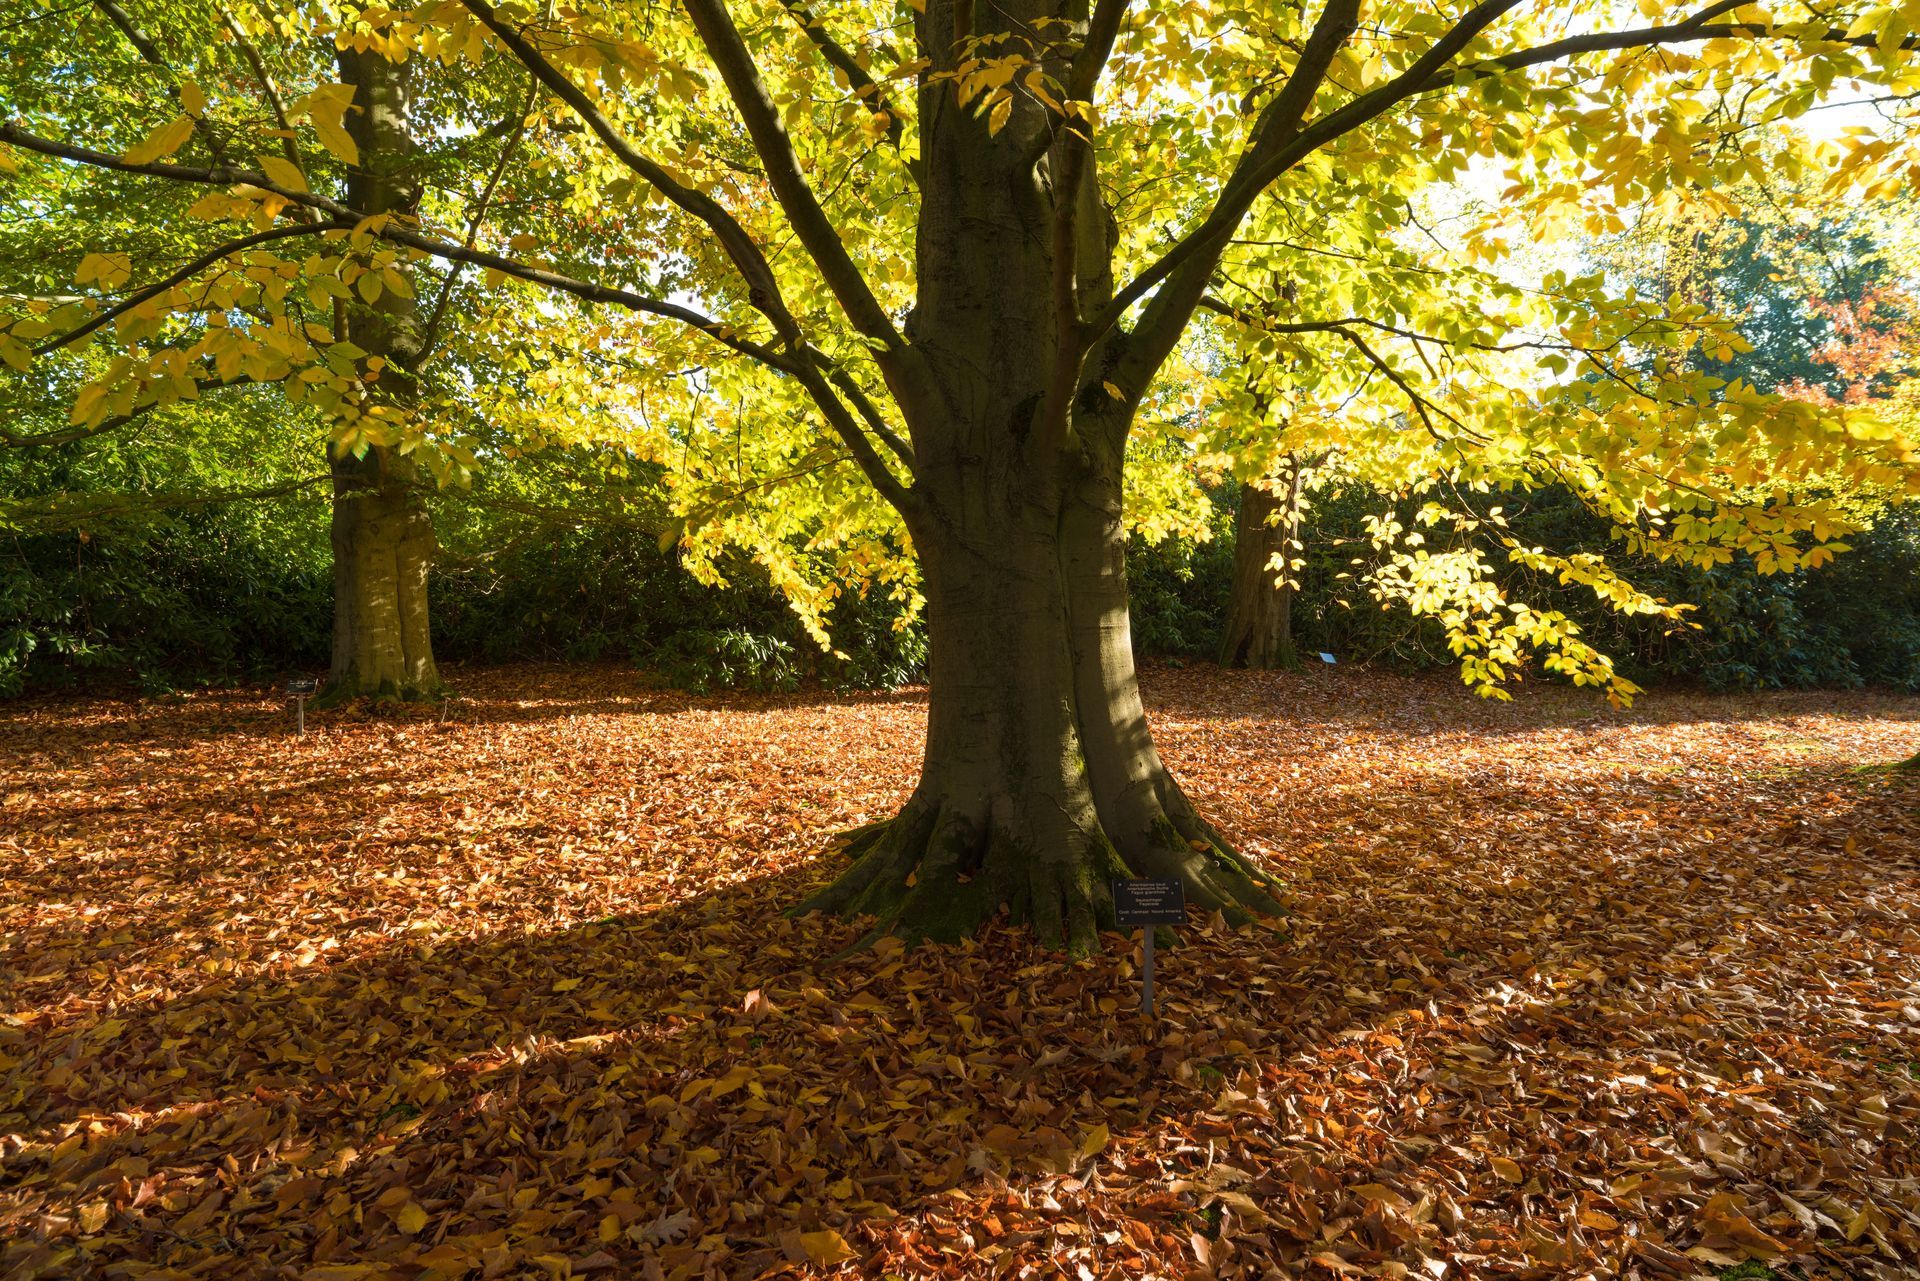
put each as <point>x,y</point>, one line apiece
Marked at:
<point>1259,631</point>
<point>382,549</point>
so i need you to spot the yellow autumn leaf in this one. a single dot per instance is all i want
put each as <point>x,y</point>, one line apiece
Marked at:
<point>281,172</point>
<point>826,1247</point>
<point>192,98</point>
<point>162,142</point>
<point>1507,1169</point>
<point>998,117</point>
<point>411,1218</point>
<point>1094,1141</point>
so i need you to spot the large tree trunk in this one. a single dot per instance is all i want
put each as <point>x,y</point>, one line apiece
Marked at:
<point>383,540</point>
<point>1040,782</point>
<point>1259,630</point>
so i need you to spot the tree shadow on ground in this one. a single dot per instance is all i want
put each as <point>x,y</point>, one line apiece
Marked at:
<point>694,1087</point>
<point>59,731</point>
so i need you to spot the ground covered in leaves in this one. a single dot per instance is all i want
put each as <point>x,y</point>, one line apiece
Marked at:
<point>1565,992</point>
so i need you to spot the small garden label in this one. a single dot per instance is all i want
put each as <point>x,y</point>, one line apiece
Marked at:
<point>1147,904</point>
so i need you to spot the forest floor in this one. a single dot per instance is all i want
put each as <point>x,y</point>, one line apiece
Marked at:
<point>1565,992</point>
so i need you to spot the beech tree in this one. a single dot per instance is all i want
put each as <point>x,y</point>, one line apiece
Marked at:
<point>950,248</point>
<point>227,322</point>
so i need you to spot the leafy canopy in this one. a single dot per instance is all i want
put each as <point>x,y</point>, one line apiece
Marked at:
<point>691,230</point>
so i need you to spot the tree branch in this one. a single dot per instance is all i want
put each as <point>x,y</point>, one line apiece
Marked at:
<point>430,335</point>
<point>871,464</point>
<point>762,289</point>
<point>1426,75</point>
<point>288,146</point>
<point>151,53</point>
<point>1195,255</point>
<point>870,413</point>
<point>1103,28</point>
<point>121,19</point>
<point>800,361</point>
<point>52,513</point>
<point>116,422</point>
<point>348,218</point>
<point>871,93</point>
<point>183,275</point>
<point>809,221</point>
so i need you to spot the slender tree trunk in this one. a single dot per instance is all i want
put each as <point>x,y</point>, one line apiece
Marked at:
<point>382,548</point>
<point>382,533</point>
<point>1259,631</point>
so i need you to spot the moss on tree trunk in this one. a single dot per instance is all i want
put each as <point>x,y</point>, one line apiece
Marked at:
<point>1041,783</point>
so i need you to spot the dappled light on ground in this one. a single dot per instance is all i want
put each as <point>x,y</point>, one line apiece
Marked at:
<point>1564,991</point>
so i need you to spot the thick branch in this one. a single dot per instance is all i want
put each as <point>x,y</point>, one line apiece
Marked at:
<point>1103,28</point>
<point>1426,75</point>
<point>121,19</point>
<point>804,213</point>
<point>870,414</point>
<point>740,247</point>
<point>1172,307</point>
<point>847,427</point>
<point>800,361</point>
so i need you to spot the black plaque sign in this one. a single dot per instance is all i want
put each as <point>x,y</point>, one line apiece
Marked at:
<point>1149,903</point>
<point>303,686</point>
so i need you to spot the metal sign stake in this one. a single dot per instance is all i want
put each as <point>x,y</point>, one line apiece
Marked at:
<point>1146,971</point>
<point>1148,904</point>
<point>302,688</point>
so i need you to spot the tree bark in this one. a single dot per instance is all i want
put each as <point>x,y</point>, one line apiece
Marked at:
<point>382,533</point>
<point>1040,784</point>
<point>1259,630</point>
<point>382,548</point>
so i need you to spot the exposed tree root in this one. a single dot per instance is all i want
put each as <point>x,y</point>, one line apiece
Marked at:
<point>939,871</point>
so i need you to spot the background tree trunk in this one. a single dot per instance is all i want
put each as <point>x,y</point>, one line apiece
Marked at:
<point>382,547</point>
<point>383,541</point>
<point>1259,630</point>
